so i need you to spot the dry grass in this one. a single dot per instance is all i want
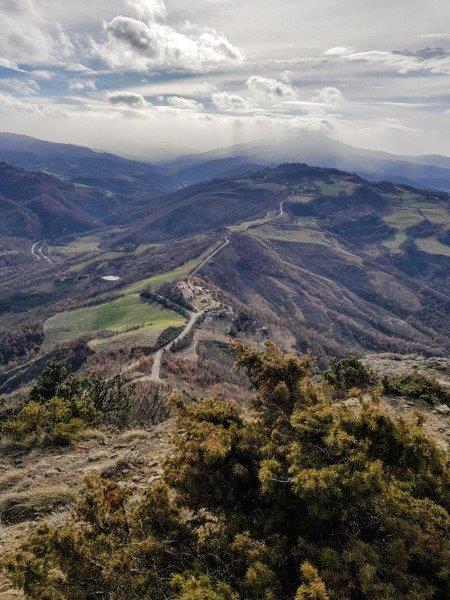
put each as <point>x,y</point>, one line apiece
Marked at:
<point>9,478</point>
<point>32,505</point>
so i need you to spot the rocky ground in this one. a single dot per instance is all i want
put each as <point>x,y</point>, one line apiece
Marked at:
<point>437,418</point>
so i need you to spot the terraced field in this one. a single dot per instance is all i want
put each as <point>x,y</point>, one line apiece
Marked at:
<point>302,231</point>
<point>411,212</point>
<point>433,246</point>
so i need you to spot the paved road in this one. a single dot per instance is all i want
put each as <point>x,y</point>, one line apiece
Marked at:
<point>33,250</point>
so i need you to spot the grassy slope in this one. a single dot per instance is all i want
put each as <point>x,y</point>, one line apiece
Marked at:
<point>116,316</point>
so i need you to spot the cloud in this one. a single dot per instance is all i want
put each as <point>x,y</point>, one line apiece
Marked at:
<point>16,7</point>
<point>8,64</point>
<point>265,89</point>
<point>27,36</point>
<point>136,45</point>
<point>10,103</point>
<point>20,87</point>
<point>148,9</point>
<point>79,85</point>
<point>433,36</point>
<point>425,61</point>
<point>129,99</point>
<point>424,53</point>
<point>329,95</point>
<point>339,51</point>
<point>43,74</point>
<point>78,68</point>
<point>184,103</point>
<point>231,102</point>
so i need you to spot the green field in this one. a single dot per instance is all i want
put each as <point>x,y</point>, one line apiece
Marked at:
<point>334,189</point>
<point>116,316</point>
<point>157,280</point>
<point>128,318</point>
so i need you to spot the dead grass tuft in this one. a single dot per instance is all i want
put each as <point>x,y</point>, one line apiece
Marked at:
<point>25,506</point>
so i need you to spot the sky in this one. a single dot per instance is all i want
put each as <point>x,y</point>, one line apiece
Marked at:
<point>157,78</point>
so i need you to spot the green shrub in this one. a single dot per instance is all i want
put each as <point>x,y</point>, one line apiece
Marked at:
<point>348,373</point>
<point>416,387</point>
<point>61,406</point>
<point>56,422</point>
<point>46,385</point>
<point>305,500</point>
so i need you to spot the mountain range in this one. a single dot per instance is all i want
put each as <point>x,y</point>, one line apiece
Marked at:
<point>429,171</point>
<point>124,176</point>
<point>83,165</point>
<point>322,259</point>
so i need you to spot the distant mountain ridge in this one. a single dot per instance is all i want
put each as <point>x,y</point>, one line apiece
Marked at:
<point>428,171</point>
<point>133,177</point>
<point>83,165</point>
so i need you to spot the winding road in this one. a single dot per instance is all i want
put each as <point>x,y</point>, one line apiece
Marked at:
<point>156,368</point>
<point>210,256</point>
<point>155,375</point>
<point>37,252</point>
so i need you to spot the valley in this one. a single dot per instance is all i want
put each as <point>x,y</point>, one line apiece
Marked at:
<point>160,288</point>
<point>319,258</point>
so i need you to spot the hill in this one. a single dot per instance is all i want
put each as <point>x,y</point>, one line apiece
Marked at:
<point>38,205</point>
<point>333,259</point>
<point>83,165</point>
<point>319,259</point>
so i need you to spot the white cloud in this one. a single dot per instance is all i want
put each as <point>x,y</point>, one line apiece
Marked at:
<point>148,9</point>
<point>20,87</point>
<point>27,36</point>
<point>231,102</point>
<point>136,45</point>
<point>184,103</point>
<point>10,104</point>
<point>265,89</point>
<point>434,36</point>
<point>129,99</point>
<point>339,51</point>
<point>78,68</point>
<point>427,60</point>
<point>43,74</point>
<point>329,95</point>
<point>82,85</point>
<point>9,64</point>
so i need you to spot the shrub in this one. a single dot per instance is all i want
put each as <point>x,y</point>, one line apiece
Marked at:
<point>417,387</point>
<point>56,422</point>
<point>348,373</point>
<point>46,385</point>
<point>305,500</point>
<point>61,406</point>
